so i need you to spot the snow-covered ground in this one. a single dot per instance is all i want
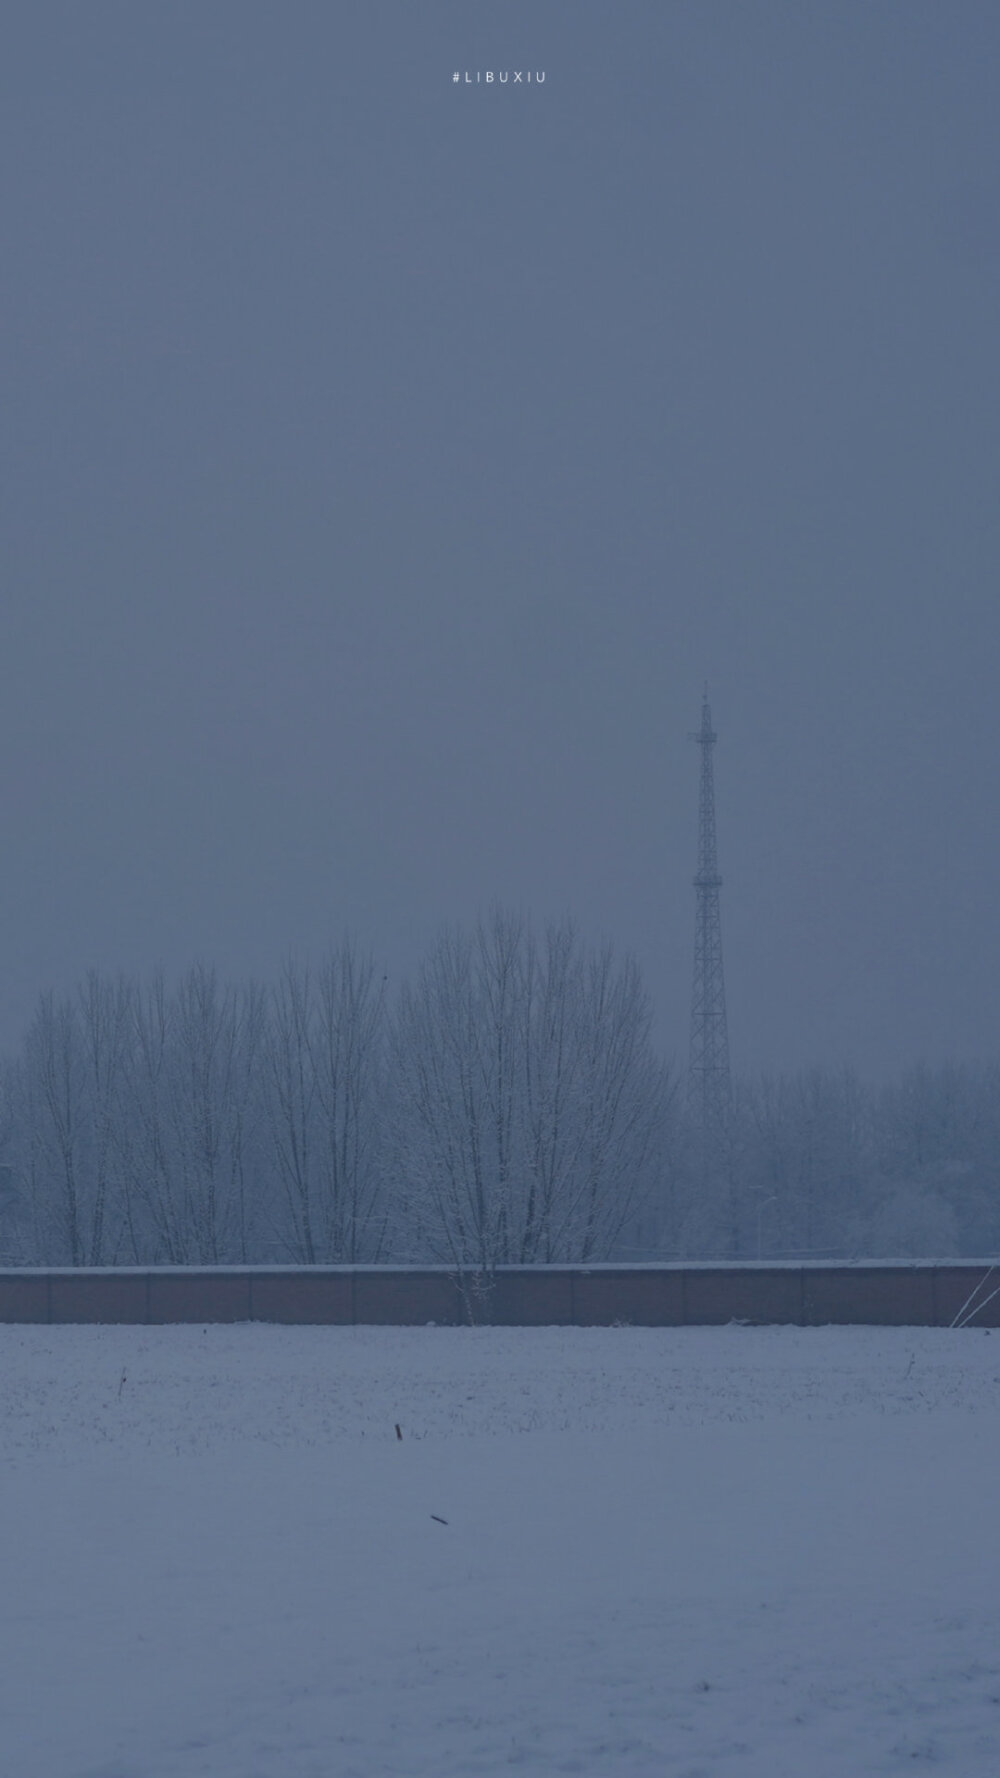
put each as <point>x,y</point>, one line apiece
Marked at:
<point>765,1553</point>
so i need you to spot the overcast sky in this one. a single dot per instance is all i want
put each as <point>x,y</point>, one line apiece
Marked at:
<point>387,462</point>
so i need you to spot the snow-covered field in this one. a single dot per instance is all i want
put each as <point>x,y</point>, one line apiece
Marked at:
<point>765,1553</point>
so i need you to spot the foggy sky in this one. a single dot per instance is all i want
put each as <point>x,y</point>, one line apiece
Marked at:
<point>387,463</point>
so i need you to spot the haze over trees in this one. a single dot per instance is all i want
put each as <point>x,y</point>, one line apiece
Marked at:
<point>506,1107</point>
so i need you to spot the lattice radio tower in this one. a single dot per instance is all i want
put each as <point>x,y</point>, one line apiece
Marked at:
<point>709,1090</point>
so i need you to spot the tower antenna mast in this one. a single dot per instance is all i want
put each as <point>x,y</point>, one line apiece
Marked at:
<point>709,1087</point>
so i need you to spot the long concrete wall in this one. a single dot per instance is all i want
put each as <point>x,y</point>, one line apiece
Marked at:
<point>922,1295</point>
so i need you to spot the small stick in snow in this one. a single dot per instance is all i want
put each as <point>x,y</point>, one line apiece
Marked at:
<point>398,1433</point>
<point>437,1520</point>
<point>121,1385</point>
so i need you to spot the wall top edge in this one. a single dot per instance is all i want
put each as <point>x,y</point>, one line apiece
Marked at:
<point>609,1270</point>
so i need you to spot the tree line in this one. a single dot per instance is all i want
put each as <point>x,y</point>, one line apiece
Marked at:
<point>505,1107</point>
<point>819,1164</point>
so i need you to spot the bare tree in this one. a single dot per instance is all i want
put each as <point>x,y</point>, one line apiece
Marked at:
<point>15,1232</point>
<point>186,1134</point>
<point>527,1097</point>
<point>322,1085</point>
<point>209,1084</point>
<point>348,1053</point>
<point>290,1096</point>
<point>57,1110</point>
<point>105,1009</point>
<point>154,1211</point>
